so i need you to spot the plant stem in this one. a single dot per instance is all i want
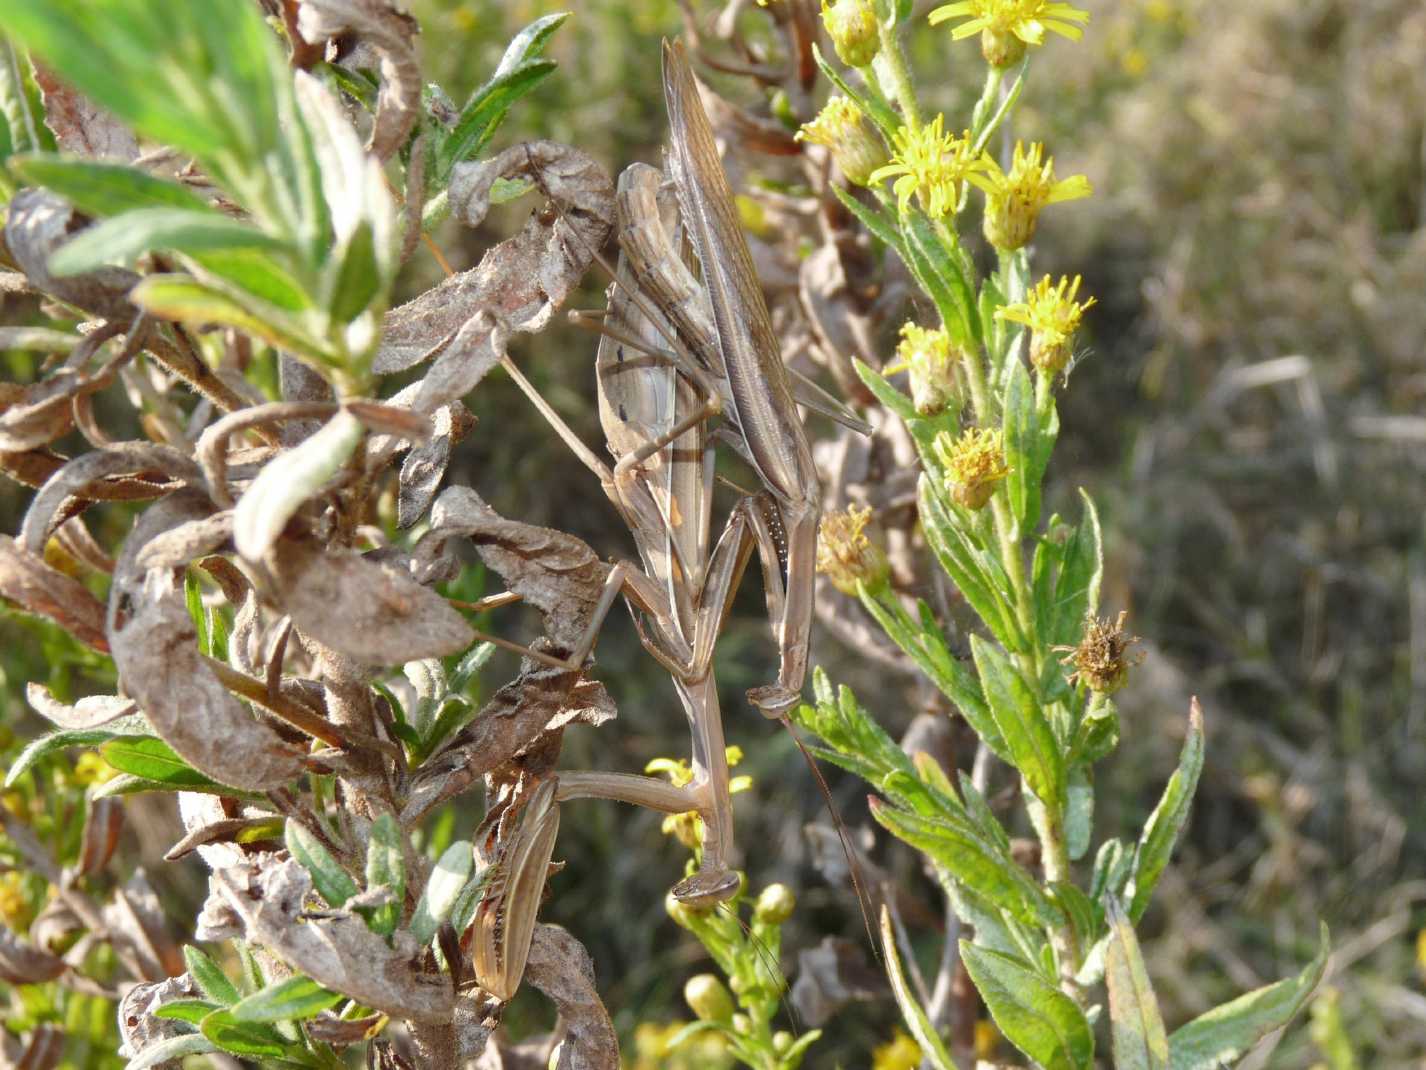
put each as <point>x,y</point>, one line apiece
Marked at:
<point>893,68</point>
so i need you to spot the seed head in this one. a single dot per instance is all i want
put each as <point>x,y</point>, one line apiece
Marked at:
<point>846,555</point>
<point>974,464</point>
<point>841,127</point>
<point>1103,659</point>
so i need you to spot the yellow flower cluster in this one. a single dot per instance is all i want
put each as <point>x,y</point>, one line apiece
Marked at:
<point>974,464</point>
<point>933,166</point>
<point>1007,27</point>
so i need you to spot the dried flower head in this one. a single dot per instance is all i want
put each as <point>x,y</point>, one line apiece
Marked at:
<point>1014,200</point>
<point>841,127</point>
<point>933,166</point>
<point>851,24</point>
<point>1007,27</point>
<point>974,464</point>
<point>1052,314</point>
<point>1103,659</point>
<point>927,356</point>
<point>846,555</point>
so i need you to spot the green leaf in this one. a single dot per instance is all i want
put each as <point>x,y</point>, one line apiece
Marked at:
<point>19,104</point>
<point>244,1038</point>
<point>192,1011</point>
<point>1077,584</point>
<point>1028,737</point>
<point>486,109</point>
<point>105,189</point>
<point>869,102</point>
<point>1227,1032</point>
<point>978,810</point>
<point>211,980</point>
<point>172,1050</point>
<point>975,574</point>
<point>128,784</point>
<point>200,303</point>
<point>1033,1014</point>
<point>1140,1042</point>
<point>257,277</point>
<point>858,744</point>
<point>912,1013</point>
<point>386,868</point>
<point>193,602</point>
<point>944,273</point>
<point>53,742</point>
<point>955,846</point>
<point>296,999</point>
<point>332,882</point>
<point>879,221</point>
<point>154,760</point>
<point>885,393</point>
<point>1079,812</point>
<point>451,872</point>
<point>1028,445</point>
<point>1162,829</point>
<point>289,479</point>
<point>124,238</point>
<point>356,280</point>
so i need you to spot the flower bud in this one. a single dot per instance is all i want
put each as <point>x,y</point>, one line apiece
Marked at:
<point>1001,48</point>
<point>846,555</point>
<point>851,24</point>
<point>708,999</point>
<point>781,1042</point>
<point>742,1025</point>
<point>775,904</point>
<point>974,464</point>
<point>841,127</point>
<point>927,356</point>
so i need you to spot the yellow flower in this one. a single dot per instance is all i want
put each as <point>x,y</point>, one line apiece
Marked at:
<point>1006,27</point>
<point>927,356</point>
<point>846,555</point>
<point>933,166</point>
<point>974,464</point>
<point>1014,200</point>
<point>89,768</point>
<point>841,127</point>
<point>687,827</point>
<point>14,904</point>
<point>1051,313</point>
<point>900,1053</point>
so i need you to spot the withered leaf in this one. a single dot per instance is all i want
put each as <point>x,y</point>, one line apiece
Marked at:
<point>327,1028</point>
<point>52,506</point>
<point>89,712</point>
<point>21,963</point>
<point>336,950</point>
<point>137,1024</point>
<point>39,223</point>
<point>135,920</point>
<point>102,826</point>
<point>425,467</point>
<point>561,968</point>
<point>520,282</point>
<point>36,588</point>
<point>462,362</point>
<point>42,1049</point>
<point>156,652</point>
<point>555,572</point>
<point>391,33</point>
<point>81,126</point>
<point>832,975</point>
<point>196,538</point>
<point>371,612</point>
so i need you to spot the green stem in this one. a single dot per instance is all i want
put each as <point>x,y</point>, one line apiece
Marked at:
<point>894,69</point>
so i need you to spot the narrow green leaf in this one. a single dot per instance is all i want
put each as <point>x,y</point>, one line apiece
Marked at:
<point>486,110</point>
<point>288,480</point>
<point>193,601</point>
<point>211,980</point>
<point>386,868</point>
<point>191,1011</point>
<point>106,189</point>
<point>912,1013</point>
<point>885,393</point>
<point>243,1038</point>
<point>944,276</point>
<point>1077,585</point>
<point>1033,1014</point>
<point>19,104</point>
<point>1162,830</point>
<point>979,811</point>
<point>356,280</point>
<point>979,864</point>
<point>129,784</point>
<point>1028,737</point>
<point>878,221</point>
<point>1027,446</point>
<point>1140,1042</point>
<point>530,42</point>
<point>1226,1033</point>
<point>451,872</point>
<point>257,276</point>
<point>1079,812</point>
<point>53,742</point>
<point>974,574</point>
<point>332,882</point>
<point>153,759</point>
<point>294,1000</point>
<point>1079,909</point>
<point>200,303</point>
<point>171,1051</point>
<point>123,238</point>
<point>871,105</point>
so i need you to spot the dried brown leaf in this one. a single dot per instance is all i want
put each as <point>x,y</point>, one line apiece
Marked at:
<point>327,1028</point>
<point>21,963</point>
<point>102,826</point>
<point>336,950</point>
<point>36,588</point>
<point>135,921</point>
<point>425,467</point>
<point>39,223</point>
<point>41,1050</point>
<point>561,968</point>
<point>81,126</point>
<point>187,542</point>
<point>370,612</point>
<point>89,712</point>
<point>137,1024</point>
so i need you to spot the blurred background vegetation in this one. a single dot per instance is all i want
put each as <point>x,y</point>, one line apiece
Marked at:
<point>1248,412</point>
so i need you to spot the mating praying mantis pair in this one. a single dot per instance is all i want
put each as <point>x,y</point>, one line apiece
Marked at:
<point>676,353</point>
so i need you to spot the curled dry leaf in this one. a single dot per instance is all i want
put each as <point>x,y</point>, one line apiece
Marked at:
<point>32,468</point>
<point>80,126</point>
<point>370,612</point>
<point>36,588</point>
<point>561,968</point>
<point>75,540</point>
<point>102,826</point>
<point>155,648</point>
<point>89,712</point>
<point>21,963</point>
<point>137,1024</point>
<point>135,921</point>
<point>555,572</point>
<point>391,33</point>
<point>41,1050</point>
<point>187,542</point>
<point>518,717</point>
<point>39,223</point>
<point>520,282</point>
<point>425,466</point>
<point>830,976</point>
<point>336,950</point>
<point>66,492</point>
<point>327,1028</point>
